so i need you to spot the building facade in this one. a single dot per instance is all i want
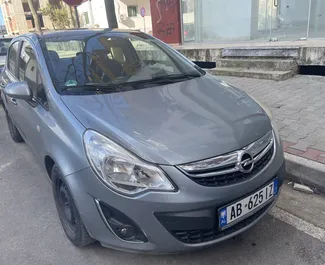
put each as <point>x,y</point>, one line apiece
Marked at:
<point>192,21</point>
<point>252,20</point>
<point>215,21</point>
<point>18,17</point>
<point>93,14</point>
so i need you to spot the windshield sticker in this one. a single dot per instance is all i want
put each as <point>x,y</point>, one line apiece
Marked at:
<point>71,83</point>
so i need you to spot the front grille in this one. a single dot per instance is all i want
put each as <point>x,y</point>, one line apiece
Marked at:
<point>232,167</point>
<point>200,236</point>
<point>235,177</point>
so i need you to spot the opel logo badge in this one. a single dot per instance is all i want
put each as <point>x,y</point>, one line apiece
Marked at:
<point>245,162</point>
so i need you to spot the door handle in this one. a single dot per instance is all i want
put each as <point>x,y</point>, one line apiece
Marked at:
<point>13,101</point>
<point>275,2</point>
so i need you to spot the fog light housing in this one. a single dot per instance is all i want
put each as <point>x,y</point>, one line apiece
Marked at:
<point>120,225</point>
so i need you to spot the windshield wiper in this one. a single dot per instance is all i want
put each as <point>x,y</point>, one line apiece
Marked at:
<point>117,87</point>
<point>94,87</point>
<point>175,77</point>
<point>164,79</point>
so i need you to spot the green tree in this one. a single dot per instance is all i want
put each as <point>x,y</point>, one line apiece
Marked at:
<point>58,15</point>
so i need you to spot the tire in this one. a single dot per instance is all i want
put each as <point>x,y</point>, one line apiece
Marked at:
<point>14,133</point>
<point>67,211</point>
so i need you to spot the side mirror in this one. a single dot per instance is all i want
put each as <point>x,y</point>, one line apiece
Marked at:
<point>206,65</point>
<point>18,90</point>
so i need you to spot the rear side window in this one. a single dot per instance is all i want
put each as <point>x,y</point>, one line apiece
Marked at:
<point>12,57</point>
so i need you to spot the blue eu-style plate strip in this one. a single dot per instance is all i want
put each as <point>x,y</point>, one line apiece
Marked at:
<point>275,187</point>
<point>223,217</point>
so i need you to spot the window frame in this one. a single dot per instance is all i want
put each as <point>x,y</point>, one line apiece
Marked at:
<point>15,74</point>
<point>130,10</point>
<point>35,100</point>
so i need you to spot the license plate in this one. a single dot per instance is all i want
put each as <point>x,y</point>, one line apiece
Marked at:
<point>237,211</point>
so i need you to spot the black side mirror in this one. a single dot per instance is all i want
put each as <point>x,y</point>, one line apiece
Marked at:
<point>18,90</point>
<point>206,65</point>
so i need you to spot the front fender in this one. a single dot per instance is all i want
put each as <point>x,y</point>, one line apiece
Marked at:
<point>63,139</point>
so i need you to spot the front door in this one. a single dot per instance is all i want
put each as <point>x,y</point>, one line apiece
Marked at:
<point>29,115</point>
<point>11,75</point>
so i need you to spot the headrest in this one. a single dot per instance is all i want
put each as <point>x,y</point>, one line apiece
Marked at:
<point>53,55</point>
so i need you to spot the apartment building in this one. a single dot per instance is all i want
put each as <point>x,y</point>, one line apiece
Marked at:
<point>18,17</point>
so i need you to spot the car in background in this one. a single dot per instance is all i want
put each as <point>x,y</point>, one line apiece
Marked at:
<point>4,45</point>
<point>145,151</point>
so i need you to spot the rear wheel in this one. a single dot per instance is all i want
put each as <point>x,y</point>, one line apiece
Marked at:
<point>67,210</point>
<point>14,133</point>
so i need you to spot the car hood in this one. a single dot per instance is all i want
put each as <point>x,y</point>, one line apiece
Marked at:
<point>177,123</point>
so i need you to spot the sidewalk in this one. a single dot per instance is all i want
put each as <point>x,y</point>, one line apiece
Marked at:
<point>298,108</point>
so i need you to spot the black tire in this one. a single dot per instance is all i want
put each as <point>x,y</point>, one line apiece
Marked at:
<point>14,133</point>
<point>67,211</point>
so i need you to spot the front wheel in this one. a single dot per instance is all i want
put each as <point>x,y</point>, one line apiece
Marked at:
<point>14,133</point>
<point>67,210</point>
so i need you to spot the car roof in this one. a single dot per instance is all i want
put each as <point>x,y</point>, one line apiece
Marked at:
<point>73,32</point>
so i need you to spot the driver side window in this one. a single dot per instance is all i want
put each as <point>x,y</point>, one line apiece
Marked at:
<point>29,71</point>
<point>12,58</point>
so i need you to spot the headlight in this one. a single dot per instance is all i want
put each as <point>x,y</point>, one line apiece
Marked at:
<point>121,170</point>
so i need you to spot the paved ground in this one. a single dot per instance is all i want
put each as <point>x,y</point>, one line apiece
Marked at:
<point>30,232</point>
<point>298,107</point>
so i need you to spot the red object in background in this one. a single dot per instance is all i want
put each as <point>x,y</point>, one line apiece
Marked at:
<point>73,2</point>
<point>166,20</point>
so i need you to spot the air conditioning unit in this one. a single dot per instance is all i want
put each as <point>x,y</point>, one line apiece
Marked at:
<point>123,17</point>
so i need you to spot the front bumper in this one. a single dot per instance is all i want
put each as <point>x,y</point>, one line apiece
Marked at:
<point>191,211</point>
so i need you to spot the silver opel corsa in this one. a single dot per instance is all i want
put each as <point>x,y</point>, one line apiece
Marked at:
<point>146,151</point>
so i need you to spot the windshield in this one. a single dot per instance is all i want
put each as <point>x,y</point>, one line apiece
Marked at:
<point>112,61</point>
<point>4,45</point>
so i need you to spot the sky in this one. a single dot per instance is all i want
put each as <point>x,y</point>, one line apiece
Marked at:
<point>1,18</point>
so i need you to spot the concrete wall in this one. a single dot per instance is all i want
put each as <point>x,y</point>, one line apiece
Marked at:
<point>303,55</point>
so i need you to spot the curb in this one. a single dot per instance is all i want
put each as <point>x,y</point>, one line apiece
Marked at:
<point>305,171</point>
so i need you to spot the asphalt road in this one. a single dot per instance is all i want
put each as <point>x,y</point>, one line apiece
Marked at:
<point>30,232</point>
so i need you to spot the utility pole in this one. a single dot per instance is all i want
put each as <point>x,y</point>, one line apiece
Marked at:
<point>110,13</point>
<point>77,16</point>
<point>91,14</point>
<point>35,16</point>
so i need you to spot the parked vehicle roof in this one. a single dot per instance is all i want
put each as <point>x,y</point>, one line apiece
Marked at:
<point>75,32</point>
